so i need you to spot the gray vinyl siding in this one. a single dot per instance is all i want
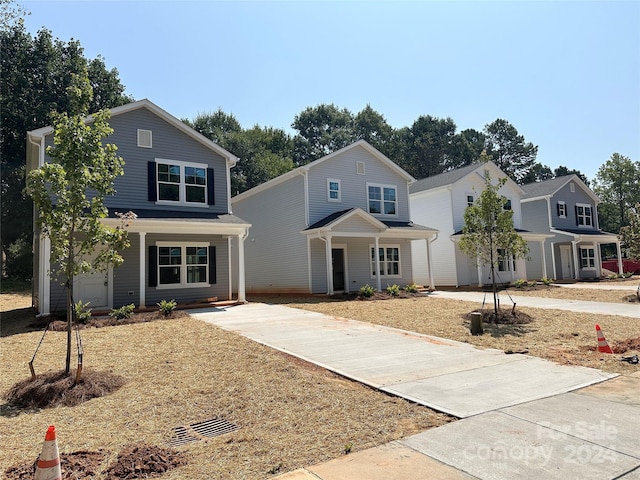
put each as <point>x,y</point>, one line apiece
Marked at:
<point>126,277</point>
<point>57,295</point>
<point>185,295</point>
<point>358,264</point>
<point>535,217</point>
<point>534,265</point>
<point>276,250</point>
<point>168,143</point>
<point>570,199</point>
<point>353,186</point>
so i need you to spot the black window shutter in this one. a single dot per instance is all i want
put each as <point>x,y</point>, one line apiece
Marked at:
<point>558,208</point>
<point>577,218</point>
<point>151,180</point>
<point>212,265</point>
<point>211,199</point>
<point>153,266</point>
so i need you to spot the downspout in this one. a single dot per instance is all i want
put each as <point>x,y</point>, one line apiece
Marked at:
<point>305,174</point>
<point>574,246</point>
<point>432,284</point>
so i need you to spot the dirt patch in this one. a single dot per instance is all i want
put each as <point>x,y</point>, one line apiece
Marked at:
<point>135,461</point>
<point>632,344</point>
<point>504,317</point>
<point>99,322</point>
<point>55,389</point>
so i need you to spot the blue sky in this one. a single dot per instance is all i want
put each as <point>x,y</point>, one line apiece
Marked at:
<point>565,74</point>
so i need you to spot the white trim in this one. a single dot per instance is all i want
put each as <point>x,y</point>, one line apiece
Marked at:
<point>241,268</point>
<point>230,266</point>
<point>305,184</point>
<point>182,186</point>
<point>382,186</point>
<point>44,300</point>
<point>343,247</point>
<point>183,265</point>
<point>145,138</point>
<point>564,204</point>
<point>378,263</point>
<point>360,168</point>
<point>592,248</point>
<point>584,216</point>
<point>338,191</point>
<point>142,294</point>
<point>466,199</point>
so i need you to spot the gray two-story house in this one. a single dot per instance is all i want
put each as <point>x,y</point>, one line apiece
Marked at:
<point>333,225</point>
<point>177,183</point>
<point>567,209</point>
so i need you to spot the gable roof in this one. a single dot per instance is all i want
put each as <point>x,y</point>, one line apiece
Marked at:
<point>305,168</point>
<point>453,176</point>
<point>152,107</point>
<point>548,188</point>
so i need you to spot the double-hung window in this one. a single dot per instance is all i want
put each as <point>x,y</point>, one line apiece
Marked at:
<point>469,200</point>
<point>183,265</point>
<point>181,182</point>
<point>587,258</point>
<point>382,199</point>
<point>389,258</point>
<point>562,209</point>
<point>506,263</point>
<point>507,204</point>
<point>584,215</point>
<point>333,190</point>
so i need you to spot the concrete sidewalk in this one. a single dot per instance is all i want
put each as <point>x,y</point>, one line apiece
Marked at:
<point>602,308</point>
<point>518,419</point>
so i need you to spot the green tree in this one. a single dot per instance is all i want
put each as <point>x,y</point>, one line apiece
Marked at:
<point>630,234</point>
<point>616,184</point>
<point>562,171</point>
<point>509,150</point>
<point>488,227</point>
<point>372,127</point>
<point>321,130</point>
<point>35,74</point>
<point>466,148</point>
<point>537,173</point>
<point>69,193</point>
<point>11,13</point>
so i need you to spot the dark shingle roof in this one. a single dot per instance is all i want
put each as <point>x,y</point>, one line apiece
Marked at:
<point>186,216</point>
<point>389,223</point>
<point>328,219</point>
<point>446,178</point>
<point>544,188</point>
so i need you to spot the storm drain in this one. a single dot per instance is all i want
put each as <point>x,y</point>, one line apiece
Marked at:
<point>200,431</point>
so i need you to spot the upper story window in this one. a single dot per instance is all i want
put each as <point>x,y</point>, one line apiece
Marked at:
<point>180,182</point>
<point>469,200</point>
<point>382,199</point>
<point>333,190</point>
<point>507,204</point>
<point>584,215</point>
<point>562,209</point>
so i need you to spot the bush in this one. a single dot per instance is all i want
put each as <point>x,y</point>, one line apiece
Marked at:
<point>520,283</point>
<point>167,308</point>
<point>412,288</point>
<point>123,312</point>
<point>366,291</point>
<point>393,290</point>
<point>83,312</point>
<point>546,281</point>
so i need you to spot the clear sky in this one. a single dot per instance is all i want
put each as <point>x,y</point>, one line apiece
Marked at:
<point>566,74</point>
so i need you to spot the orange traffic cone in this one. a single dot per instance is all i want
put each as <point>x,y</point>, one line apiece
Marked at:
<point>603,346</point>
<point>48,467</point>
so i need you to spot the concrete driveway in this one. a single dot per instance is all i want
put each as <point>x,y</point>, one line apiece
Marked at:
<point>518,417</point>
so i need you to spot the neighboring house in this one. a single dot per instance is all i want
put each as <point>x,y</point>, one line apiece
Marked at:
<point>317,228</point>
<point>441,201</point>
<point>177,182</point>
<point>567,209</point>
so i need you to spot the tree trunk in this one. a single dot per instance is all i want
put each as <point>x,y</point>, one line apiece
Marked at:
<point>67,368</point>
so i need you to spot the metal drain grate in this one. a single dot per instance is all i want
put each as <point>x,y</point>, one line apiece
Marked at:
<point>200,431</point>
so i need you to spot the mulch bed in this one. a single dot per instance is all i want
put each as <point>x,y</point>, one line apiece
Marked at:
<point>99,322</point>
<point>505,317</point>
<point>134,461</point>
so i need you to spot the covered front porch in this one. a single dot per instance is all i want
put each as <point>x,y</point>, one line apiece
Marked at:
<point>342,252</point>
<point>577,255</point>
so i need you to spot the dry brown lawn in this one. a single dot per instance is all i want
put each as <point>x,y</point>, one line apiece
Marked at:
<point>183,371</point>
<point>290,413</point>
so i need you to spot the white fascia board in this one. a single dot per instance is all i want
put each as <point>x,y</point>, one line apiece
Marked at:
<point>183,227</point>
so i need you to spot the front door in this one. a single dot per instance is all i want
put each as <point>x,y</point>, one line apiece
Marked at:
<point>92,287</point>
<point>337,255</point>
<point>566,260</point>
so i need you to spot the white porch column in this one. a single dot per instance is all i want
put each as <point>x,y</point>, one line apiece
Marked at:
<point>432,285</point>
<point>377,257</point>
<point>544,260</point>
<point>553,261</point>
<point>480,283</point>
<point>576,265</point>
<point>329,257</point>
<point>44,295</point>
<point>619,252</point>
<point>230,266</point>
<point>143,251</point>
<point>241,286</point>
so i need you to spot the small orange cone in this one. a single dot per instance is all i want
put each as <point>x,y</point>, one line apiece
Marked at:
<point>603,346</point>
<point>48,467</point>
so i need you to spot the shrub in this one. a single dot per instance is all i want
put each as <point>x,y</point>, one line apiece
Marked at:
<point>167,307</point>
<point>123,312</point>
<point>546,281</point>
<point>83,312</point>
<point>520,283</point>
<point>393,290</point>
<point>532,283</point>
<point>412,288</point>
<point>366,291</point>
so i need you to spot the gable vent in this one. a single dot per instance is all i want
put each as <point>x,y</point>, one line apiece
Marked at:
<point>145,138</point>
<point>360,168</point>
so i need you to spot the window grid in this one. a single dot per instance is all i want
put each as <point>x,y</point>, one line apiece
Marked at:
<point>382,199</point>
<point>333,190</point>
<point>562,209</point>
<point>587,258</point>
<point>181,183</point>
<point>584,215</point>
<point>389,257</point>
<point>183,265</point>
